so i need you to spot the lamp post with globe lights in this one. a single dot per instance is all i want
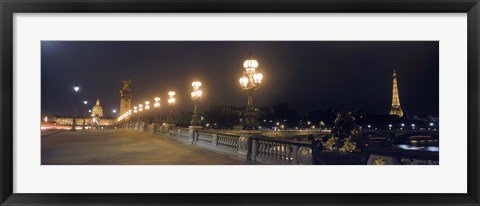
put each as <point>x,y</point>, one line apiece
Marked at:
<point>135,112</point>
<point>84,112</point>
<point>140,110</point>
<point>74,122</point>
<point>250,81</point>
<point>156,106</point>
<point>196,96</point>
<point>147,105</point>
<point>147,109</point>
<point>171,103</point>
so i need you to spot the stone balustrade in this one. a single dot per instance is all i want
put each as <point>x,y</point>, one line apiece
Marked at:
<point>256,147</point>
<point>279,151</point>
<point>219,142</point>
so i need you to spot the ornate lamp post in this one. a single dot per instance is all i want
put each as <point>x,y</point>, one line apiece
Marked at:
<point>147,115</point>
<point>84,112</point>
<point>156,105</point>
<point>250,81</point>
<point>91,120</point>
<point>171,103</point>
<point>139,120</point>
<point>129,121</point>
<point>196,96</point>
<point>147,105</point>
<point>74,122</point>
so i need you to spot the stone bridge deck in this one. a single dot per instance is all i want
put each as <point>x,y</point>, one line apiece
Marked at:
<point>124,147</point>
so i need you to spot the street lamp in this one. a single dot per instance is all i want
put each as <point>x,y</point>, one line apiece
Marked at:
<point>196,96</point>
<point>74,122</point>
<point>129,118</point>
<point>140,109</point>
<point>156,105</point>
<point>147,105</point>
<point>84,112</point>
<point>147,108</point>
<point>157,102</point>
<point>250,81</point>
<point>171,103</point>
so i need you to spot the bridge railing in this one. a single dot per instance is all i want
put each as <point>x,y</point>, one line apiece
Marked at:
<point>269,150</point>
<point>256,147</point>
<point>228,143</point>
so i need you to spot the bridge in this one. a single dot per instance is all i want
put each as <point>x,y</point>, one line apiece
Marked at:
<point>155,144</point>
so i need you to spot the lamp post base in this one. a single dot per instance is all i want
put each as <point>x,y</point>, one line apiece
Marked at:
<point>251,121</point>
<point>196,121</point>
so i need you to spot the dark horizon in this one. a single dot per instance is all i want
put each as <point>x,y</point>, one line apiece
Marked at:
<point>307,75</point>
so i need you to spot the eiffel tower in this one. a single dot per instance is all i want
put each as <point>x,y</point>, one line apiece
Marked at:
<point>396,108</point>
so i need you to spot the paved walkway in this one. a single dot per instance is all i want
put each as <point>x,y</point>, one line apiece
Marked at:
<point>124,147</point>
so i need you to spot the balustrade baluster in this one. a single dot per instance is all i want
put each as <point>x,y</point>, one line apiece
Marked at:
<point>270,151</point>
<point>261,147</point>
<point>265,149</point>
<point>282,153</point>
<point>288,151</point>
<point>275,150</point>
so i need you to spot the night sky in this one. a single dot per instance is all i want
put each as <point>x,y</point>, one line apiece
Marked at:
<point>308,75</point>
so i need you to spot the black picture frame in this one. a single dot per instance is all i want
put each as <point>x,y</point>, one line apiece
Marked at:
<point>9,7</point>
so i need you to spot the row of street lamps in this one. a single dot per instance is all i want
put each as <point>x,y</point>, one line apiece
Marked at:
<point>249,82</point>
<point>196,96</point>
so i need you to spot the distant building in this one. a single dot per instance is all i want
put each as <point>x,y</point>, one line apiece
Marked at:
<point>97,110</point>
<point>68,120</point>
<point>396,109</point>
<point>240,110</point>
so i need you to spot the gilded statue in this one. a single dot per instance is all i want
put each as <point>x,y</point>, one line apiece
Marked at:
<point>126,84</point>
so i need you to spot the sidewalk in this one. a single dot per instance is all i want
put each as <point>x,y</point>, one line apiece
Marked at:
<point>124,147</point>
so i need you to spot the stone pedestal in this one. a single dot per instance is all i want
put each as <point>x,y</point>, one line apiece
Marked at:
<point>193,133</point>
<point>245,144</point>
<point>157,128</point>
<point>251,122</point>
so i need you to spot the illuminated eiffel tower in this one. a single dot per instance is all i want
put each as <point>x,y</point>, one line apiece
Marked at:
<point>396,108</point>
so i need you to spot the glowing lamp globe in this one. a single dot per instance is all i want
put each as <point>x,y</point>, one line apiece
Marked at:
<point>250,64</point>
<point>196,84</point>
